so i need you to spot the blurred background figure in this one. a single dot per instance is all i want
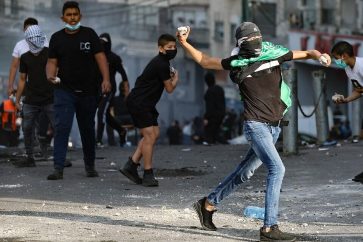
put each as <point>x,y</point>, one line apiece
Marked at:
<point>215,109</point>
<point>115,66</point>
<point>174,133</point>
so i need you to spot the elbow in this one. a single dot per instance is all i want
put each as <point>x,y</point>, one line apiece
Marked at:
<point>204,64</point>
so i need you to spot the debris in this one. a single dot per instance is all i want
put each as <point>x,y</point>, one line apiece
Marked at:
<point>187,149</point>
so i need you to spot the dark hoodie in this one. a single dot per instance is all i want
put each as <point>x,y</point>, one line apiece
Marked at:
<point>114,61</point>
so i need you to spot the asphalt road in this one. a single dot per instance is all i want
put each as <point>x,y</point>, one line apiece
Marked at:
<point>319,202</point>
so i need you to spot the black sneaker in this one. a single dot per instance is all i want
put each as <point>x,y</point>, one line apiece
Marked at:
<point>275,234</point>
<point>130,171</point>
<point>205,216</point>
<point>92,173</point>
<point>358,179</point>
<point>360,175</point>
<point>149,180</point>
<point>56,175</point>
<point>67,163</point>
<point>27,162</point>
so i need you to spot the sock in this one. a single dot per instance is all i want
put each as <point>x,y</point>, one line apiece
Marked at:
<point>149,171</point>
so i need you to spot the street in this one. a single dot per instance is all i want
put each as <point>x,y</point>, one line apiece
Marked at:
<point>319,202</point>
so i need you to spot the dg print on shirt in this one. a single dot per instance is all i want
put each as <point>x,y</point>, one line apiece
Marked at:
<point>85,47</point>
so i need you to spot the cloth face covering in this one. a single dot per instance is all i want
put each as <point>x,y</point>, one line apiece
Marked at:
<point>35,38</point>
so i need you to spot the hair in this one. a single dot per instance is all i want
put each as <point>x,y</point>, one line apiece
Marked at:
<point>209,79</point>
<point>165,39</point>
<point>343,47</point>
<point>70,4</point>
<point>30,21</point>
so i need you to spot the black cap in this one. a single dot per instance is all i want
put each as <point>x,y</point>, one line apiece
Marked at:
<point>246,29</point>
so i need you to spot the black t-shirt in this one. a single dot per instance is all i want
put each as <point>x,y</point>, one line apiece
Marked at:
<point>261,95</point>
<point>78,69</point>
<point>150,84</point>
<point>38,90</point>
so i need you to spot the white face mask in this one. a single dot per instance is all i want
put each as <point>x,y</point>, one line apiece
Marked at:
<point>72,27</point>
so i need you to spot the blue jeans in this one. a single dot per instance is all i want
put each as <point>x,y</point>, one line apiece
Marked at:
<point>31,114</point>
<point>66,104</point>
<point>262,138</point>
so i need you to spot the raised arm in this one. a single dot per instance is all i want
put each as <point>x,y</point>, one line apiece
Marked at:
<point>201,58</point>
<point>312,54</point>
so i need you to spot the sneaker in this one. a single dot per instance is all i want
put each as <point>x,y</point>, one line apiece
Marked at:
<point>205,216</point>
<point>275,234</point>
<point>358,179</point>
<point>27,162</point>
<point>355,139</point>
<point>92,173</point>
<point>99,144</point>
<point>56,175</point>
<point>360,175</point>
<point>149,180</point>
<point>67,163</point>
<point>130,171</point>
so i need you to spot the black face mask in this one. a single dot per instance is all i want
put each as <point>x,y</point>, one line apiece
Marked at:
<point>251,48</point>
<point>170,54</point>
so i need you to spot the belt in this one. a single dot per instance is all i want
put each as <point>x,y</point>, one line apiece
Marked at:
<point>279,123</point>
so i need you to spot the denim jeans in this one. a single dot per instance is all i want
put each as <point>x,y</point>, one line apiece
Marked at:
<point>66,104</point>
<point>262,138</point>
<point>31,114</point>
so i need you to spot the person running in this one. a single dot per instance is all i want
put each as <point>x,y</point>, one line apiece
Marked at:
<point>255,66</point>
<point>141,102</point>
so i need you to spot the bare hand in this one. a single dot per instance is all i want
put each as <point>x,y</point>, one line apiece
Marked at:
<point>325,59</point>
<point>54,80</point>
<point>338,98</point>
<point>106,86</point>
<point>18,106</point>
<point>10,90</point>
<point>174,74</point>
<point>183,37</point>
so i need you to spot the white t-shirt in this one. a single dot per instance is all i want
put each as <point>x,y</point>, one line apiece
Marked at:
<point>355,75</point>
<point>22,47</point>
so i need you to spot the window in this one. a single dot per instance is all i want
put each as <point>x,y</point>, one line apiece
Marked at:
<point>218,31</point>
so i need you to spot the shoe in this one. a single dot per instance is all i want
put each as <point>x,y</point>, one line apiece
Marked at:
<point>275,234</point>
<point>130,171</point>
<point>355,139</point>
<point>67,163</point>
<point>360,175</point>
<point>28,162</point>
<point>92,173</point>
<point>56,175</point>
<point>99,144</point>
<point>205,216</point>
<point>358,179</point>
<point>149,180</point>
